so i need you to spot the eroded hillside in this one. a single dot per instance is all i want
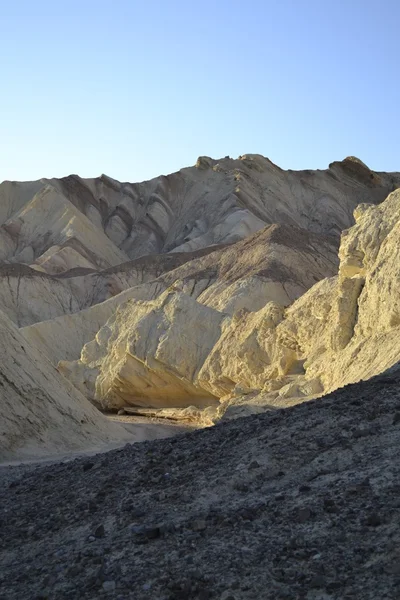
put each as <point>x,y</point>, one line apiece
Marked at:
<point>180,351</point>
<point>209,293</point>
<point>92,231</point>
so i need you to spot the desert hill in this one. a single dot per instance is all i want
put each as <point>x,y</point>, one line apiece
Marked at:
<point>343,329</point>
<point>260,305</point>
<point>95,238</point>
<point>214,291</point>
<point>59,224</point>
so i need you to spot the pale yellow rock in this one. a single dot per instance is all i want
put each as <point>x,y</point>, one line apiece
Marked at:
<point>49,219</point>
<point>149,354</point>
<point>347,328</point>
<point>343,329</point>
<point>64,337</point>
<point>41,413</point>
<point>213,202</point>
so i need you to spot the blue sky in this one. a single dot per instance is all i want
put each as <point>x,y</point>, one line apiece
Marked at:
<point>135,89</point>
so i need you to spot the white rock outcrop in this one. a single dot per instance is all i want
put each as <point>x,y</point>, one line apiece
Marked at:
<point>344,329</point>
<point>214,291</point>
<point>99,237</point>
<point>149,354</point>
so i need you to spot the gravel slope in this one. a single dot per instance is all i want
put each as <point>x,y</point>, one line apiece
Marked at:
<point>295,503</point>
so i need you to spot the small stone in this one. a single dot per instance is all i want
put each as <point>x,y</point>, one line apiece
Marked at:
<point>137,529</point>
<point>127,506</point>
<point>303,515</point>
<point>121,411</point>
<point>333,586</point>
<point>360,433</point>
<point>240,486</point>
<point>167,528</point>
<point>91,538</point>
<point>304,488</point>
<point>146,587</point>
<point>143,533</point>
<point>199,525</point>
<point>227,595</point>
<point>152,533</point>
<point>254,465</point>
<point>396,418</point>
<point>317,581</point>
<point>109,586</point>
<point>330,506</point>
<point>99,531</point>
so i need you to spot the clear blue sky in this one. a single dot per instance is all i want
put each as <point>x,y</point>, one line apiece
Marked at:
<point>134,88</point>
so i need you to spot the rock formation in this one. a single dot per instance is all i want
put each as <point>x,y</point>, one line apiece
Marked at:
<point>214,202</point>
<point>41,413</point>
<point>278,263</point>
<point>214,291</point>
<point>342,330</point>
<point>156,350</point>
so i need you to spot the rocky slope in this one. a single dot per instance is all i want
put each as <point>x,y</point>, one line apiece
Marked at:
<point>155,294</point>
<point>40,412</point>
<point>278,263</point>
<point>295,503</point>
<point>342,330</point>
<point>29,296</point>
<point>81,226</point>
<point>213,202</point>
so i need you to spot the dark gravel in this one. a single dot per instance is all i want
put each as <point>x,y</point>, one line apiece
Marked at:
<point>295,503</point>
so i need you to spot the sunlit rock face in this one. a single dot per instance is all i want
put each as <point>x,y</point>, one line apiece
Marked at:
<point>149,354</point>
<point>278,264</point>
<point>218,286</point>
<point>174,351</point>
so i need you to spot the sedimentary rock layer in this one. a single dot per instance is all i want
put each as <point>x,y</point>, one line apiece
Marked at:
<point>344,329</point>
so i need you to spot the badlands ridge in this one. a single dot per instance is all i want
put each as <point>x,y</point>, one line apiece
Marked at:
<point>225,289</point>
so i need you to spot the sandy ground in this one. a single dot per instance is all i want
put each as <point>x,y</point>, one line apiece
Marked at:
<point>141,429</point>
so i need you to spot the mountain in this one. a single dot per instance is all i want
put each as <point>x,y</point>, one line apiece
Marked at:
<point>180,351</point>
<point>212,292</point>
<point>259,304</point>
<point>85,240</point>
